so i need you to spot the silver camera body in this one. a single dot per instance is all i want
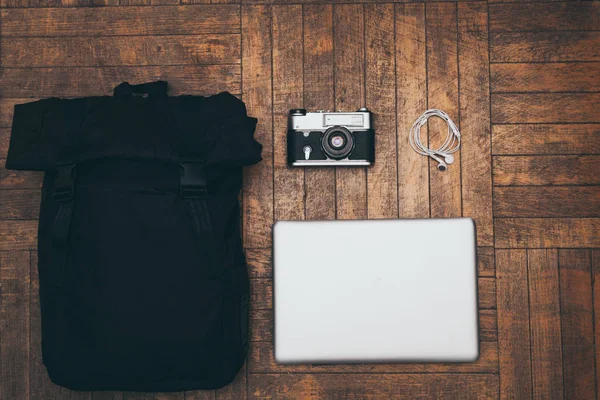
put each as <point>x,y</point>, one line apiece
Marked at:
<point>330,138</point>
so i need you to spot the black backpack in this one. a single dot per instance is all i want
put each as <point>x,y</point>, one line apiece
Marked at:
<point>143,279</point>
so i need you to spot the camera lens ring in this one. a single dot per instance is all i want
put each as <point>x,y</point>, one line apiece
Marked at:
<point>337,142</point>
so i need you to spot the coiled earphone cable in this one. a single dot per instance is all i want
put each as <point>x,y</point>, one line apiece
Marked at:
<point>450,145</point>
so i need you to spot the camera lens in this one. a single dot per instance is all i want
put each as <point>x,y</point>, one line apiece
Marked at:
<point>337,142</point>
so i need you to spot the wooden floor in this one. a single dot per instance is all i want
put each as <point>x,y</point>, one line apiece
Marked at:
<point>521,79</point>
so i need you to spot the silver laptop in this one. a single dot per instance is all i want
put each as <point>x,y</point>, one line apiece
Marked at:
<point>375,291</point>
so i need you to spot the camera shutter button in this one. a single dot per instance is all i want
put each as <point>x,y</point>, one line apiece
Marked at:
<point>307,150</point>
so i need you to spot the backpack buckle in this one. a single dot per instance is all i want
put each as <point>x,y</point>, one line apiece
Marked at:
<point>192,181</point>
<point>64,182</point>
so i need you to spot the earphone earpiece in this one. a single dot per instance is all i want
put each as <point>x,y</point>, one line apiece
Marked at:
<point>449,158</point>
<point>442,166</point>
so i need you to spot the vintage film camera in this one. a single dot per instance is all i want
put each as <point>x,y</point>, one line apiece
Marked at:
<point>330,138</point>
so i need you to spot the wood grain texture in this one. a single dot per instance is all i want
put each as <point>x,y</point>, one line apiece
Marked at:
<point>542,201</point>
<point>287,94</point>
<point>319,182</point>
<point>546,170</point>
<point>259,262</point>
<point>14,324</point>
<point>486,261</point>
<point>19,179</point>
<point>596,298</point>
<point>513,324</point>
<point>546,139</point>
<point>544,46</point>
<point>4,142</point>
<point>476,147</point>
<point>382,177</point>
<point>349,89</point>
<point>544,314</point>
<point>18,235</point>
<point>123,21</point>
<point>19,204</point>
<point>543,77</point>
<point>60,82</point>
<point>442,82</point>
<point>547,232</point>
<point>261,361</point>
<point>369,386</point>
<point>577,321</point>
<point>544,16</point>
<point>257,94</point>
<point>411,100</point>
<point>121,51</point>
<point>545,108</point>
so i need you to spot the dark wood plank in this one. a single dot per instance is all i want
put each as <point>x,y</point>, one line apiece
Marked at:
<point>261,361</point>
<point>486,261</point>
<point>89,81</point>
<point>596,297</point>
<point>19,204</point>
<point>367,386</point>
<point>287,94</point>
<point>487,293</point>
<point>577,320</point>
<point>14,324</point>
<point>4,142</point>
<point>544,46</point>
<point>542,201</point>
<point>476,147</point>
<point>349,88</point>
<point>547,232</point>
<point>40,385</point>
<point>200,395</point>
<point>19,179</point>
<point>319,190</point>
<point>546,139</point>
<point>382,179</point>
<point>546,170</point>
<point>18,235</point>
<point>545,108</point>
<point>259,262</point>
<point>128,21</point>
<point>513,324</point>
<point>411,101</point>
<point>488,326</point>
<point>257,94</point>
<point>544,313</point>
<point>545,77</point>
<point>107,395</point>
<point>121,51</point>
<point>442,83</point>
<point>544,16</point>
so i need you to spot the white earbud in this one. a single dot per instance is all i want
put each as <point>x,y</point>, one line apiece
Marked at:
<point>449,158</point>
<point>442,166</point>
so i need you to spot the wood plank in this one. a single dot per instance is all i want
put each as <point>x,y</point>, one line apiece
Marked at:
<point>19,204</point>
<point>121,51</point>
<point>544,313</point>
<point>109,395</point>
<point>546,139</point>
<point>487,293</point>
<point>486,261</point>
<point>258,179</point>
<point>476,147</point>
<point>19,179</point>
<point>4,142</point>
<point>577,321</point>
<point>349,89</point>
<point>442,84</point>
<point>545,108</point>
<point>569,16</point>
<point>200,395</point>
<point>261,326</point>
<point>126,21</point>
<point>14,324</point>
<point>261,361</point>
<point>541,201</point>
<point>382,179</point>
<point>544,46</point>
<point>259,262</point>
<point>87,81</point>
<point>596,297</point>
<point>411,98</point>
<point>40,385</point>
<point>367,386</point>
<point>545,77</point>
<point>547,232</point>
<point>18,235</point>
<point>287,94</point>
<point>513,324</point>
<point>319,190</point>
<point>546,170</point>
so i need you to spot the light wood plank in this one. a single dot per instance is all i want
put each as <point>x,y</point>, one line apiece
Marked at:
<point>546,170</point>
<point>547,232</point>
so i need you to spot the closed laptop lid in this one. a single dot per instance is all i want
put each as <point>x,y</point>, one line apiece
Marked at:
<point>375,291</point>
